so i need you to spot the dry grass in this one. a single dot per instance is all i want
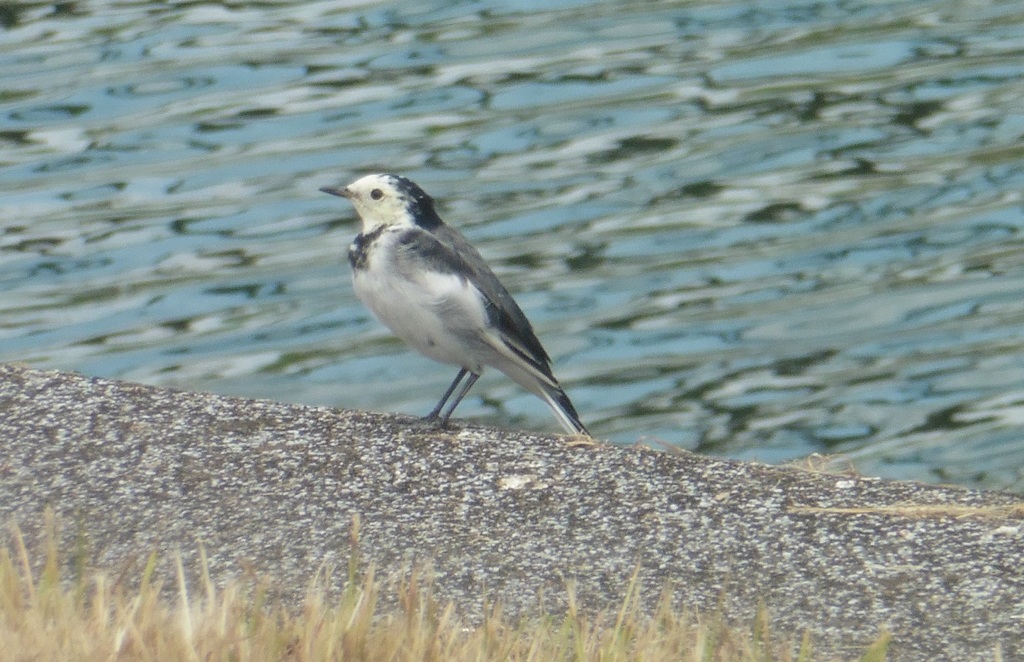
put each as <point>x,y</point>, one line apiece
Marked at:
<point>44,616</point>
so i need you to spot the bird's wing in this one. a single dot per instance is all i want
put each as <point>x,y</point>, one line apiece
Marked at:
<point>445,250</point>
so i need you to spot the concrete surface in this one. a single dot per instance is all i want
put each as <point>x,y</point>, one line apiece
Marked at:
<point>270,491</point>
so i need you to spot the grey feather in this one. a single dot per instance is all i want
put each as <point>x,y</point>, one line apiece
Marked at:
<point>446,250</point>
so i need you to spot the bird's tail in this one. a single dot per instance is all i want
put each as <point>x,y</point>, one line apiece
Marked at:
<point>565,412</point>
<point>534,374</point>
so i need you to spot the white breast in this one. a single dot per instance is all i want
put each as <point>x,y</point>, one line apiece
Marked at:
<point>440,315</point>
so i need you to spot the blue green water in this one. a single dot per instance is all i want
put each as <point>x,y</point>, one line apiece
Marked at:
<point>756,230</point>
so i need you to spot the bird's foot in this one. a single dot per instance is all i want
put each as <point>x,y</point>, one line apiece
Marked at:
<point>434,422</point>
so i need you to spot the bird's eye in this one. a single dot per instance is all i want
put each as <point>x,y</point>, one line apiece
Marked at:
<point>376,194</point>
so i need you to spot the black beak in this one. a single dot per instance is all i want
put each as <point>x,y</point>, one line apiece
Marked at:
<point>340,192</point>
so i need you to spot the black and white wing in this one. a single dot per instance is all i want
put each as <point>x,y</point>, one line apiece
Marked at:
<point>519,353</point>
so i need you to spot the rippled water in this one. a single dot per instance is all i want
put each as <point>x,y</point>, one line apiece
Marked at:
<point>759,230</point>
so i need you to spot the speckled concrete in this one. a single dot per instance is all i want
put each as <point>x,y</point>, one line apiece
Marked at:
<point>270,491</point>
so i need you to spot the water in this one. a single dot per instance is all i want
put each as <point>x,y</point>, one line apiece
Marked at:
<point>756,230</point>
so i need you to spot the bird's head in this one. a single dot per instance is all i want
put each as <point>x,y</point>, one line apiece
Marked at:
<point>389,200</point>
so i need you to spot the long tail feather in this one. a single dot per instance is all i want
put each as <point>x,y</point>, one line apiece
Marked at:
<point>564,411</point>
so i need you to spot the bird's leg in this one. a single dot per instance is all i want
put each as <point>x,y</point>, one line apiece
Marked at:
<point>432,416</point>
<point>458,398</point>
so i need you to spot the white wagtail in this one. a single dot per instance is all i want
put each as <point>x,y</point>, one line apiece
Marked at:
<point>427,283</point>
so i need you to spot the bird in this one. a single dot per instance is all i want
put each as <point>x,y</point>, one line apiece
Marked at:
<point>424,281</point>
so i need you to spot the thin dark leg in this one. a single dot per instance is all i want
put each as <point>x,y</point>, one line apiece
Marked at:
<point>458,398</point>
<point>444,398</point>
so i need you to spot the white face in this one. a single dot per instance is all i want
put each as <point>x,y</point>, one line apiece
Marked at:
<point>378,202</point>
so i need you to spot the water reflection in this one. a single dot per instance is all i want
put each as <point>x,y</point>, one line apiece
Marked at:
<point>757,232</point>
